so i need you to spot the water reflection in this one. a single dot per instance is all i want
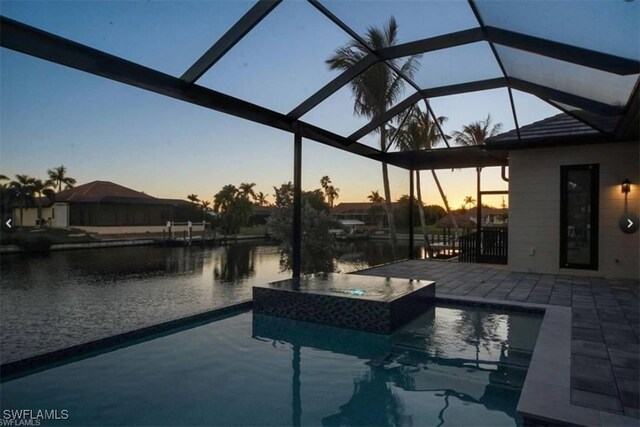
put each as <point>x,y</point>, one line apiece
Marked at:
<point>451,357</point>
<point>346,257</point>
<point>373,404</point>
<point>357,255</point>
<point>235,263</point>
<point>247,369</point>
<point>62,298</point>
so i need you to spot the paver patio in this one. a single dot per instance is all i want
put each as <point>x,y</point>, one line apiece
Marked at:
<point>605,345</point>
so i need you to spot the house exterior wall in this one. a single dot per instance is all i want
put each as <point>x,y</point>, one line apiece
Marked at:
<point>83,215</point>
<point>534,208</point>
<point>29,216</point>
<point>60,215</point>
<point>178,230</point>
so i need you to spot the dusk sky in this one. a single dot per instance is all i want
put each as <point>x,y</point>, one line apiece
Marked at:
<point>103,130</point>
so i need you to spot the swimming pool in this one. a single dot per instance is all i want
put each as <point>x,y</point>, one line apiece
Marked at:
<point>453,365</point>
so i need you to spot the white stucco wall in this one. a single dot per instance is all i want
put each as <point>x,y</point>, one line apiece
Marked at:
<point>534,208</point>
<point>29,216</point>
<point>60,212</point>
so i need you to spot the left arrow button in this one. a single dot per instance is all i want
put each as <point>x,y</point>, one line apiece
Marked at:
<point>8,223</point>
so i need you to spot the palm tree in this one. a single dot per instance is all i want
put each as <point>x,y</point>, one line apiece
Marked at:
<point>469,201</point>
<point>193,198</point>
<point>376,210</point>
<point>418,133</point>
<point>246,190</point>
<point>204,205</point>
<point>332,193</point>
<point>261,199</point>
<point>22,190</point>
<point>325,181</point>
<point>223,198</point>
<point>421,133</point>
<point>58,176</point>
<point>476,133</point>
<point>375,197</point>
<point>377,89</point>
<point>42,189</point>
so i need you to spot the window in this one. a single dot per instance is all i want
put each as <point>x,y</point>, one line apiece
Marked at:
<point>579,216</point>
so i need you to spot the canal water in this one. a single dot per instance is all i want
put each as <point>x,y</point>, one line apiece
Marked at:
<point>51,301</point>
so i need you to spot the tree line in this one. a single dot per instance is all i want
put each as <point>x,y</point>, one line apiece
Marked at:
<point>234,205</point>
<point>27,191</point>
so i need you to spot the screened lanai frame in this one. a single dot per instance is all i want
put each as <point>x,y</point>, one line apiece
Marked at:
<point>572,97</point>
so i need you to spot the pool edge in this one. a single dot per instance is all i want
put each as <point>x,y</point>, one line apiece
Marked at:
<point>32,364</point>
<point>546,393</point>
<point>545,396</point>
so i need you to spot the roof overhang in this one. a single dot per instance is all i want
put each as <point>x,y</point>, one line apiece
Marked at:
<point>448,158</point>
<point>548,141</point>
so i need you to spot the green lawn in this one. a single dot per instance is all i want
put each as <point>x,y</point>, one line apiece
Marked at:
<point>255,230</point>
<point>43,238</point>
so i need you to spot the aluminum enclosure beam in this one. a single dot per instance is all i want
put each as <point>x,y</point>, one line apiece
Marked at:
<point>525,86</point>
<point>388,115</point>
<point>411,204</point>
<point>355,36</point>
<point>333,86</point>
<point>563,52</point>
<point>476,13</point>
<point>34,42</point>
<point>245,24</point>
<point>296,250</point>
<point>566,98</point>
<point>429,93</point>
<point>431,44</point>
<point>459,88</point>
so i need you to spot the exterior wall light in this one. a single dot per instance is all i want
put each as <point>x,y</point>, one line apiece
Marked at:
<point>626,186</point>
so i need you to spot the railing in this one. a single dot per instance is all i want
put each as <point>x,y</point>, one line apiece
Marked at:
<point>493,246</point>
<point>467,248</point>
<point>445,244</point>
<point>187,231</point>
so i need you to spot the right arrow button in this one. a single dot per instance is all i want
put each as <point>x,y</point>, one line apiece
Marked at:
<point>629,223</point>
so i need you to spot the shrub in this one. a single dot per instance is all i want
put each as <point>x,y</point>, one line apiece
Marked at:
<point>318,248</point>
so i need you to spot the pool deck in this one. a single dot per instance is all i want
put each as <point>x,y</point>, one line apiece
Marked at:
<point>605,321</point>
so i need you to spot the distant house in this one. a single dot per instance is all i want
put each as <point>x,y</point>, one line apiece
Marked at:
<point>462,221</point>
<point>260,214</point>
<point>491,217</point>
<point>367,212</point>
<point>104,207</point>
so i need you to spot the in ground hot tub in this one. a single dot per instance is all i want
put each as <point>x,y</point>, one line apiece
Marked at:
<point>367,303</point>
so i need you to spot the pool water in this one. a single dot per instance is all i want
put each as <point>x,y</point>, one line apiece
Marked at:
<point>453,365</point>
